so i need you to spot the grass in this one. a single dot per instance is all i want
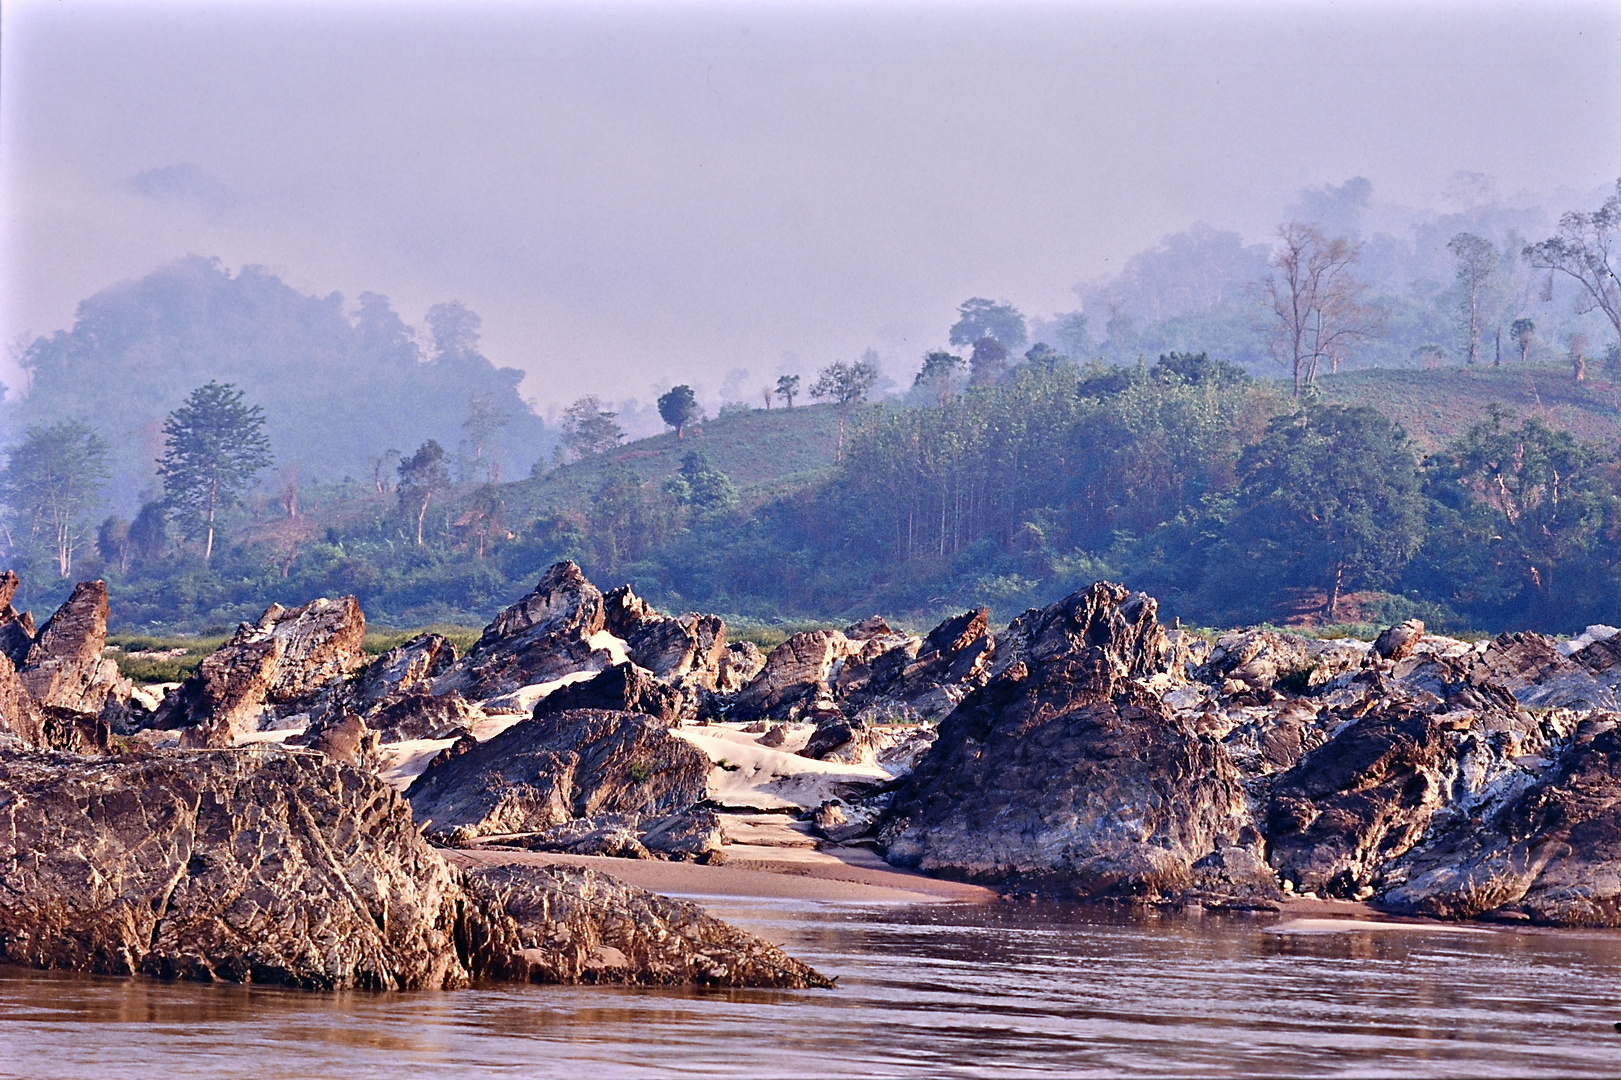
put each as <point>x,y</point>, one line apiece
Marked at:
<point>1438,406</point>
<point>145,658</point>
<point>380,639</point>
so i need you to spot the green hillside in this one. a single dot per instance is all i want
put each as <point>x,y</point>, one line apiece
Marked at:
<point>1438,406</point>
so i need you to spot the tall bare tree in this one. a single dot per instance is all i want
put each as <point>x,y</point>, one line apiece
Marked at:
<point>1587,249</point>
<point>1477,261</point>
<point>1314,300</point>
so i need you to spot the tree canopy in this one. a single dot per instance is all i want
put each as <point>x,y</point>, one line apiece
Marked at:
<point>980,318</point>
<point>52,483</point>
<point>679,407</point>
<point>214,446</point>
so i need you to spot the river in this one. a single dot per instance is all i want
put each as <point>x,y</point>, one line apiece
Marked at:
<point>927,990</point>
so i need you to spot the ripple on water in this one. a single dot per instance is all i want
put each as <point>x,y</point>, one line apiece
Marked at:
<point>939,990</point>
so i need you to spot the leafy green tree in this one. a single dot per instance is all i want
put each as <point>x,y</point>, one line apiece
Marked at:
<point>987,363</point>
<point>52,482</point>
<point>1528,503</point>
<point>845,385</point>
<point>1523,331</point>
<point>422,476</point>
<point>940,371</point>
<point>112,542</point>
<point>625,524</point>
<point>700,485</point>
<point>214,446</point>
<point>788,388</point>
<point>679,407</point>
<point>1044,355</point>
<point>980,318</point>
<point>149,532</point>
<point>1073,335</point>
<point>589,429</point>
<point>1330,498</point>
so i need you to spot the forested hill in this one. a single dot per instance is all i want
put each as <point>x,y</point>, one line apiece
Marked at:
<point>340,386</point>
<point>1218,493</point>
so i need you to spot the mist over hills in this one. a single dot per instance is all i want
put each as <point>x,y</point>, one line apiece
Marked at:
<point>341,386</point>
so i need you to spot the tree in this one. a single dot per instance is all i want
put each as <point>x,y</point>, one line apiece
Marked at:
<point>788,388</point>
<point>422,476</point>
<point>1477,261</point>
<point>1313,300</point>
<point>940,370</point>
<point>1043,355</point>
<point>52,481</point>
<point>1331,497</point>
<point>1074,338</point>
<point>679,407</point>
<point>214,445</point>
<point>1586,250</point>
<point>454,329</point>
<point>149,532</point>
<point>981,318</point>
<point>700,485</point>
<point>1522,331</point>
<point>987,362</point>
<point>589,429</point>
<point>485,419</point>
<point>1544,496</point>
<point>484,515</point>
<point>1578,356</point>
<point>112,542</point>
<point>845,385</point>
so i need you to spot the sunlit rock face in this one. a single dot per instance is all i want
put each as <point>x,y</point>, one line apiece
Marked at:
<point>1067,772</point>
<point>275,866</point>
<point>265,668</point>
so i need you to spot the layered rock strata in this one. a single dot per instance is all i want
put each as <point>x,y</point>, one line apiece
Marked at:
<point>274,866</point>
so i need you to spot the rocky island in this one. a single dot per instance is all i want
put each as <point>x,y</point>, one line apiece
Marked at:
<point>285,814</point>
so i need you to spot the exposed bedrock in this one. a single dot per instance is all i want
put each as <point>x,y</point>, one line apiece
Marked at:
<point>1551,855</point>
<point>266,667</point>
<point>552,632</point>
<point>1067,772</point>
<point>277,866</point>
<point>556,768</point>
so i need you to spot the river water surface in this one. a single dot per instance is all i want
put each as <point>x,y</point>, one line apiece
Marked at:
<point>935,990</point>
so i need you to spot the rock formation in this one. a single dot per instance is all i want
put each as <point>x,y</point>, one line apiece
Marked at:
<point>284,658</point>
<point>20,715</point>
<point>16,630</point>
<point>273,866</point>
<point>623,688</point>
<point>550,633</point>
<point>1552,855</point>
<point>1066,771</point>
<point>64,667</point>
<point>556,768</point>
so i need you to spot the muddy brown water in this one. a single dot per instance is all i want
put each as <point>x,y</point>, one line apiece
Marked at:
<point>931,990</point>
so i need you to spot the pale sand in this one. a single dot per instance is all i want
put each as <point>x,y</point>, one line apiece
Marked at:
<point>850,875</point>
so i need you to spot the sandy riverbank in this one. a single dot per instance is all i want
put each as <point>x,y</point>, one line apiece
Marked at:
<point>837,874</point>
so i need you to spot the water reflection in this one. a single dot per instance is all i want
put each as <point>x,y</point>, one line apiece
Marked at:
<point>936,990</point>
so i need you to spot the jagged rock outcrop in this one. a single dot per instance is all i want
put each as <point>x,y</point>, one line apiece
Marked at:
<point>265,668</point>
<point>693,834</point>
<point>275,866</point>
<point>20,715</point>
<point>556,768</point>
<point>1067,772</point>
<point>1256,665</point>
<point>16,630</point>
<point>622,688</point>
<point>550,633</point>
<point>1360,799</point>
<point>566,925</point>
<point>405,669</point>
<point>1398,642</point>
<point>1552,855</point>
<point>687,648</point>
<point>64,667</point>
<point>795,677</point>
<point>1531,667</point>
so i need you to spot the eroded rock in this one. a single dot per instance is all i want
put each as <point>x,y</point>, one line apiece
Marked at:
<point>64,667</point>
<point>285,867</point>
<point>623,688</point>
<point>550,633</point>
<point>287,656</point>
<point>556,768</point>
<point>1067,772</point>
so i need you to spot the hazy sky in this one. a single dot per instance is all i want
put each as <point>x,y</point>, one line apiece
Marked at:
<point>634,194</point>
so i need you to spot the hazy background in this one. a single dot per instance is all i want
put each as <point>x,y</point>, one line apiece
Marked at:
<point>636,194</point>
